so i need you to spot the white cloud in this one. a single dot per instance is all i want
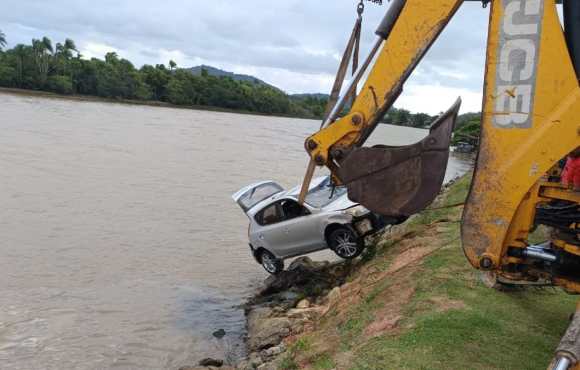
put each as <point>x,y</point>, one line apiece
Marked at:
<point>96,50</point>
<point>178,57</point>
<point>457,75</point>
<point>433,99</point>
<point>290,81</point>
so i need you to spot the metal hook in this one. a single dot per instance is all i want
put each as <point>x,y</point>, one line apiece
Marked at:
<point>360,8</point>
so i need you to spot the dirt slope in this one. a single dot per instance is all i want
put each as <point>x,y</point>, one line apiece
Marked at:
<point>415,303</point>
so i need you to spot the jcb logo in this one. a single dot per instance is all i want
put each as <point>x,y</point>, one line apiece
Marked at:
<point>519,43</point>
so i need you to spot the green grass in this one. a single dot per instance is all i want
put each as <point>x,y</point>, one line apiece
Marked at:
<point>493,331</point>
<point>489,330</point>
<point>358,319</point>
<point>288,363</point>
<point>452,321</point>
<point>323,362</point>
<point>302,345</point>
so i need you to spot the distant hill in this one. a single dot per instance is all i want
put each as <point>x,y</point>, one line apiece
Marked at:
<point>314,95</point>
<point>216,72</point>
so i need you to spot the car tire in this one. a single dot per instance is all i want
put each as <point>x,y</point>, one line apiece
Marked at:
<point>346,243</point>
<point>270,263</point>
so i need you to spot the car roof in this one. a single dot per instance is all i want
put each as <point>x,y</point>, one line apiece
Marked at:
<point>295,191</point>
<point>290,194</point>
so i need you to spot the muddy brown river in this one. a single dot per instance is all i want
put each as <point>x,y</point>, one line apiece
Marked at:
<point>120,247</point>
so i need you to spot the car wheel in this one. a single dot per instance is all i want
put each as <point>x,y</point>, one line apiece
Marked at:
<point>345,243</point>
<point>270,263</point>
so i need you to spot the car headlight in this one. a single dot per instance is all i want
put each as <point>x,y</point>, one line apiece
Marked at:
<point>357,211</point>
<point>364,227</point>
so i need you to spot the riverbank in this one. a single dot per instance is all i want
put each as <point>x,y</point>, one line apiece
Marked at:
<point>411,302</point>
<point>148,103</point>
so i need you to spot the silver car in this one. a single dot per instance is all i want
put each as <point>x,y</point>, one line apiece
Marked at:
<point>280,228</point>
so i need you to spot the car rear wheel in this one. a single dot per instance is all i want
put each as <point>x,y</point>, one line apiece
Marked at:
<point>345,243</point>
<point>270,263</point>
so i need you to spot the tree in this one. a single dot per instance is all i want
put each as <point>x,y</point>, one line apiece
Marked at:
<point>65,50</point>
<point>421,120</point>
<point>60,84</point>
<point>111,58</point>
<point>42,54</point>
<point>69,47</point>
<point>468,132</point>
<point>158,79</point>
<point>2,40</point>
<point>63,55</point>
<point>176,92</point>
<point>41,66</point>
<point>20,53</point>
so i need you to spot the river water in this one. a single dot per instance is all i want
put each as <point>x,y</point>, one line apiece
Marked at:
<point>120,247</point>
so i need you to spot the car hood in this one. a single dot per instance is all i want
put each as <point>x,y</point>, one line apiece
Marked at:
<point>340,204</point>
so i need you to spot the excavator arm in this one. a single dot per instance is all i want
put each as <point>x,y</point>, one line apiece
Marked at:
<point>393,181</point>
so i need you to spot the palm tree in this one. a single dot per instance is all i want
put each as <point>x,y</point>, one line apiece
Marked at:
<point>43,52</point>
<point>47,44</point>
<point>172,65</point>
<point>2,40</point>
<point>70,46</point>
<point>112,57</point>
<point>65,50</point>
<point>64,53</point>
<point>21,52</point>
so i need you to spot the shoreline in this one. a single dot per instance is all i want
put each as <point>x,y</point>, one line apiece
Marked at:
<point>147,103</point>
<point>410,301</point>
<point>290,306</point>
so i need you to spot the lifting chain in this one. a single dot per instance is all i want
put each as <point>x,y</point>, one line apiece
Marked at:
<point>361,6</point>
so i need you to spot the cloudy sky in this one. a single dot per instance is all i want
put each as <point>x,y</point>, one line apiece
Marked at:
<point>292,44</point>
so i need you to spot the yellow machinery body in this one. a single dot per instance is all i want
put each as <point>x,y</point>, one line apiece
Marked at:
<point>531,120</point>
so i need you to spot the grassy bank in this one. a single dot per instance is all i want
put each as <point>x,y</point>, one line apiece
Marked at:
<point>417,304</point>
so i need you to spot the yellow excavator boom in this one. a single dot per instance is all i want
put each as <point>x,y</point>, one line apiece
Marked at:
<point>371,174</point>
<point>409,29</point>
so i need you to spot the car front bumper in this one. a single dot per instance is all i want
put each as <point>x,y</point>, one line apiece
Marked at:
<point>369,224</point>
<point>254,252</point>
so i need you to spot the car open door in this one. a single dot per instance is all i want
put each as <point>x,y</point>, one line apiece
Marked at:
<point>251,195</point>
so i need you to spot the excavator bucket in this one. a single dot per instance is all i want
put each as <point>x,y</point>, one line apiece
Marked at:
<point>398,181</point>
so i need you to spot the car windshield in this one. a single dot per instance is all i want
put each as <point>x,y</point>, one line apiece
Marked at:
<point>322,195</point>
<point>258,194</point>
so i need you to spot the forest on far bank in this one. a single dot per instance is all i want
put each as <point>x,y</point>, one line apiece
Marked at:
<point>61,69</point>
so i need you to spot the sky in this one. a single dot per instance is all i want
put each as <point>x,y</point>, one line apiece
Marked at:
<point>295,45</point>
